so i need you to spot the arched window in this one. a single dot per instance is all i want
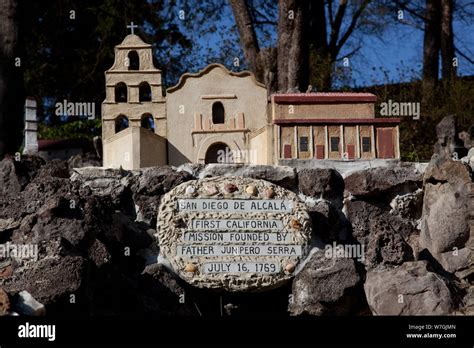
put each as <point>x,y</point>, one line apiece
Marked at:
<point>148,122</point>
<point>144,92</point>
<point>218,114</point>
<point>120,92</point>
<point>133,61</point>
<point>121,123</point>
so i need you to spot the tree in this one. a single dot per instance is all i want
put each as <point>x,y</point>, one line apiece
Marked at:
<point>431,43</point>
<point>309,41</point>
<point>11,79</point>
<point>327,44</point>
<point>436,17</point>
<point>447,41</point>
<point>293,49</point>
<point>70,43</point>
<point>259,61</point>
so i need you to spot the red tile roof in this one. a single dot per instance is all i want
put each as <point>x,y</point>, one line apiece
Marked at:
<point>324,97</point>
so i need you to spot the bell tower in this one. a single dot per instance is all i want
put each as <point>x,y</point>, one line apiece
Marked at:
<point>134,109</point>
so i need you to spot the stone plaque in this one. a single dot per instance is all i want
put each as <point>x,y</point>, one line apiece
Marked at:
<point>233,233</point>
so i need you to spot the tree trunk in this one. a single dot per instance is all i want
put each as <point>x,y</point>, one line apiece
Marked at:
<point>248,37</point>
<point>447,41</point>
<point>321,65</point>
<point>431,44</point>
<point>11,81</point>
<point>293,52</point>
<point>261,62</point>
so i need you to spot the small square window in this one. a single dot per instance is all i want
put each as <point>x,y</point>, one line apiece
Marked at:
<point>366,146</point>
<point>334,144</point>
<point>303,144</point>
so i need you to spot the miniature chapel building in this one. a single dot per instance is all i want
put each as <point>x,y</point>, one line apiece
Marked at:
<point>134,109</point>
<point>219,116</point>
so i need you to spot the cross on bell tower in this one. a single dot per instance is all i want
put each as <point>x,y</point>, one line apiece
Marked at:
<point>134,110</point>
<point>132,26</point>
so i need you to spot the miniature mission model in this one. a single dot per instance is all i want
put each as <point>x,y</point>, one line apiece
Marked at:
<point>217,115</point>
<point>232,233</point>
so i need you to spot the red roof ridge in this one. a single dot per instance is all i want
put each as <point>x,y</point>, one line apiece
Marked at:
<point>325,97</point>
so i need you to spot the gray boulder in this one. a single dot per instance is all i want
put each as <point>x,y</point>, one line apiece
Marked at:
<point>326,286</point>
<point>447,206</point>
<point>409,289</point>
<point>102,181</point>
<point>386,238</point>
<point>279,175</point>
<point>321,183</point>
<point>387,181</point>
<point>49,279</point>
<point>448,143</point>
<point>329,224</point>
<point>27,305</point>
<point>9,183</point>
<point>147,186</point>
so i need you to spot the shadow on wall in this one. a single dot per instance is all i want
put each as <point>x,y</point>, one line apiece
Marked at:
<point>176,157</point>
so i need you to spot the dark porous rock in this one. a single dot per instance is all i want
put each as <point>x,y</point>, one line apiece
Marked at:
<point>386,238</point>
<point>149,184</point>
<point>447,223</point>
<point>326,286</point>
<point>9,183</point>
<point>158,180</point>
<point>410,289</point>
<point>279,175</point>
<point>55,168</point>
<point>99,254</point>
<point>8,224</point>
<point>384,181</point>
<point>468,302</point>
<point>163,293</point>
<point>192,168</point>
<point>83,160</point>
<point>328,221</point>
<point>76,219</point>
<point>128,232</point>
<point>4,302</point>
<point>147,208</point>
<point>321,183</point>
<point>448,142</point>
<point>49,279</point>
<point>467,137</point>
<point>103,181</point>
<point>27,168</point>
<point>408,206</point>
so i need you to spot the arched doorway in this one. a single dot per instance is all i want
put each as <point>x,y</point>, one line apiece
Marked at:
<point>219,153</point>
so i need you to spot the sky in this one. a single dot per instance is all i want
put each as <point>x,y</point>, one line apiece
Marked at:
<point>395,56</point>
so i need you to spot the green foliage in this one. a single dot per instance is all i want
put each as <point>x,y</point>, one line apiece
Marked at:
<point>70,43</point>
<point>81,129</point>
<point>417,137</point>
